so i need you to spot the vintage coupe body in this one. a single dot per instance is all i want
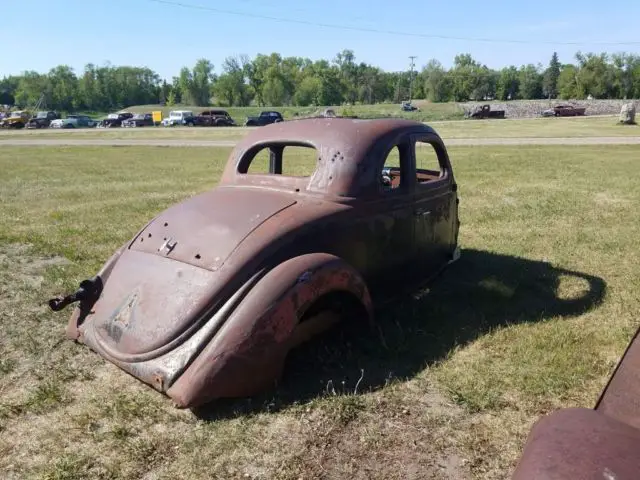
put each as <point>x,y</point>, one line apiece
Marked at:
<point>207,299</point>
<point>265,118</point>
<point>73,121</point>
<point>114,120</point>
<point>214,118</point>
<point>564,111</point>
<point>139,120</point>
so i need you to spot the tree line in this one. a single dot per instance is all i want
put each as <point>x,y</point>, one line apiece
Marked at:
<point>278,81</point>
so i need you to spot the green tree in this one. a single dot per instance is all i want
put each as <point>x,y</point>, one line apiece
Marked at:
<point>64,88</point>
<point>508,86</point>
<point>171,99</point>
<point>30,87</point>
<point>530,82</point>
<point>308,92</point>
<point>550,78</point>
<point>437,85</point>
<point>201,81</point>
<point>595,76</point>
<point>471,80</point>
<point>8,87</point>
<point>567,82</point>
<point>230,87</point>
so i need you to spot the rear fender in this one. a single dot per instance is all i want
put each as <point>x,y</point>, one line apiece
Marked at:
<point>247,355</point>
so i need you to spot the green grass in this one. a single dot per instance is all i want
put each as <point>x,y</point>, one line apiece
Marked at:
<point>533,317</point>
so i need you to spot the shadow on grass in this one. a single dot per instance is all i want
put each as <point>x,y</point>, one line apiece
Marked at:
<point>480,292</point>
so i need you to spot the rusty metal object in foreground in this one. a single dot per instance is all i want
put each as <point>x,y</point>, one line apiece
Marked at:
<point>600,443</point>
<point>208,298</point>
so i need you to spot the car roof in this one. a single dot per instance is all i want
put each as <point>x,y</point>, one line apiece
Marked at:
<point>349,140</point>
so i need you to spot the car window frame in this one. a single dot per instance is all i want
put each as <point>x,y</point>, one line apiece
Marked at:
<point>443,161</point>
<point>407,162</point>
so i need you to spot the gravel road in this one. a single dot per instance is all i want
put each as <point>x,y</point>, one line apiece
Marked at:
<point>39,142</point>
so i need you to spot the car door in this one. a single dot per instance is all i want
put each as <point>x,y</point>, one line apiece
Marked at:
<point>434,203</point>
<point>384,227</point>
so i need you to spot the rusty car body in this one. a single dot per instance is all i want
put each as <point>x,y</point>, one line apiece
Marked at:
<point>564,111</point>
<point>207,299</point>
<point>42,119</point>
<point>485,111</point>
<point>603,442</point>
<point>214,118</point>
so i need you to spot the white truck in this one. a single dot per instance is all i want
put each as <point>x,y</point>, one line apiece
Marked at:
<point>179,117</point>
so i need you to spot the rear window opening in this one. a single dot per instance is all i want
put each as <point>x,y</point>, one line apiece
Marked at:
<point>285,160</point>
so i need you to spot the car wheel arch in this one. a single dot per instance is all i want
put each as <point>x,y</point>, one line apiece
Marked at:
<point>248,353</point>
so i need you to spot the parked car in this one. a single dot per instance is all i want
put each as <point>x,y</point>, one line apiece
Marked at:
<point>139,120</point>
<point>207,299</point>
<point>179,117</point>
<point>114,120</point>
<point>564,111</point>
<point>73,121</point>
<point>408,107</point>
<point>265,118</point>
<point>42,119</point>
<point>214,118</point>
<point>17,119</point>
<point>485,111</point>
<point>603,442</point>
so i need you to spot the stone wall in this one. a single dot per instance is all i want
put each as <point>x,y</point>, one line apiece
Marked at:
<point>533,108</point>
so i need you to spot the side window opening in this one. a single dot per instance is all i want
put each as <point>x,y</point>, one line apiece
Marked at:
<point>285,160</point>
<point>393,171</point>
<point>428,167</point>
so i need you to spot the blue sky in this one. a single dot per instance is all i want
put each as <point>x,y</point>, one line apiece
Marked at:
<point>165,37</point>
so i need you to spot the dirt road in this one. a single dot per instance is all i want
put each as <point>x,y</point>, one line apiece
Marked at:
<point>39,142</point>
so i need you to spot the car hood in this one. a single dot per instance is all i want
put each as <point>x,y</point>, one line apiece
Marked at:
<point>162,285</point>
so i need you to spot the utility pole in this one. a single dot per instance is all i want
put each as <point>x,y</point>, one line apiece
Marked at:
<point>412,57</point>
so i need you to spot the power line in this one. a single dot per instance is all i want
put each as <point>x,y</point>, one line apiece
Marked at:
<point>379,31</point>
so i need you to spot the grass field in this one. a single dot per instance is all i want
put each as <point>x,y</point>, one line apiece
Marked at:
<point>531,128</point>
<point>533,317</point>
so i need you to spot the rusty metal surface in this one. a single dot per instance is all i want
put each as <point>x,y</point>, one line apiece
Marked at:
<point>346,150</point>
<point>621,397</point>
<point>249,352</point>
<point>602,443</point>
<point>206,300</point>
<point>185,231</point>
<point>580,444</point>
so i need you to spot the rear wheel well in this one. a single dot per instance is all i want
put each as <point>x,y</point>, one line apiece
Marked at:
<point>342,302</point>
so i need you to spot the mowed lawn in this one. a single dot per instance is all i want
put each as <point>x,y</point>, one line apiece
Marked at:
<point>533,317</point>
<point>524,128</point>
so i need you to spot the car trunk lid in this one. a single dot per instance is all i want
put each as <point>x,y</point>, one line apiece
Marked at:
<point>204,230</point>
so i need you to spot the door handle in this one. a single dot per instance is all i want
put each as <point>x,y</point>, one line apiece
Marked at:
<point>422,213</point>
